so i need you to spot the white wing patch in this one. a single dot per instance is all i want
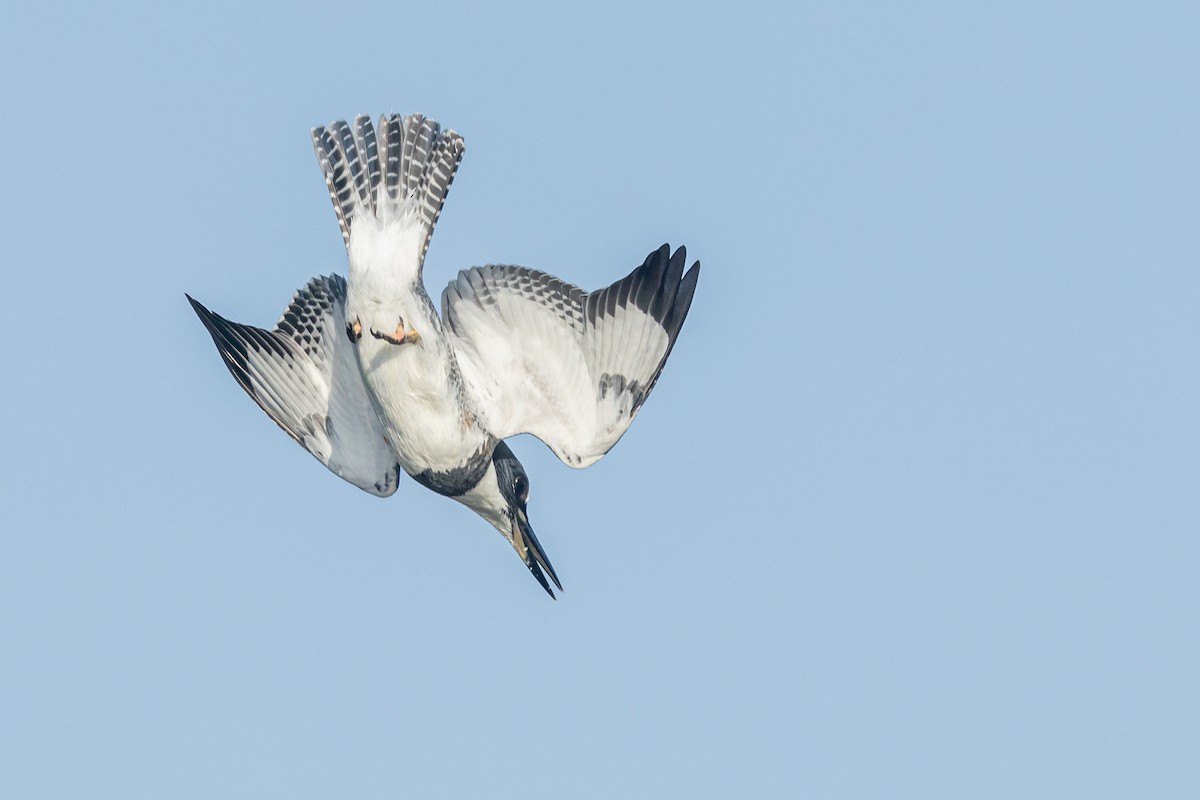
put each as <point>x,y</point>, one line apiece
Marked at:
<point>304,375</point>
<point>573,368</point>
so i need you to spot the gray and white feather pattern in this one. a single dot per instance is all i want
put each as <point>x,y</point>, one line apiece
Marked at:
<point>570,367</point>
<point>305,376</point>
<point>419,161</point>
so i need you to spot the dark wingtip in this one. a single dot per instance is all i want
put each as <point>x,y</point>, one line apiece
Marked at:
<point>683,302</point>
<point>207,317</point>
<point>678,259</point>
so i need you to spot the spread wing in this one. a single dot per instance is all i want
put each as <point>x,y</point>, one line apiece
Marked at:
<point>544,357</point>
<point>305,376</point>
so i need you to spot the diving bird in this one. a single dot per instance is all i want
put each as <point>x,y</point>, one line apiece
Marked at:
<point>366,375</point>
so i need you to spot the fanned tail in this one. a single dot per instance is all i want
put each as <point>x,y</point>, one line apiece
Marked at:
<point>406,167</point>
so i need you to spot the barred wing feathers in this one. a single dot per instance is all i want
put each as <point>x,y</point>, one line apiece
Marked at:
<point>304,375</point>
<point>573,368</point>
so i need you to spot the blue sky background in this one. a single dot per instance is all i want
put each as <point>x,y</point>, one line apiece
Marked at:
<point>912,513</point>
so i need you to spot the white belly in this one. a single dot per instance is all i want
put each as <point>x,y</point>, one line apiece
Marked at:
<point>410,384</point>
<point>422,417</point>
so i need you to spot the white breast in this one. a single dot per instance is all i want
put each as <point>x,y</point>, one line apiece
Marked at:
<point>414,391</point>
<point>410,384</point>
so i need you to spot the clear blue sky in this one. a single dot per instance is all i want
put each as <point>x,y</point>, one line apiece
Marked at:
<point>912,513</point>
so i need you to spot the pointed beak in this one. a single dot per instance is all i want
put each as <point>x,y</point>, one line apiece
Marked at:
<point>531,552</point>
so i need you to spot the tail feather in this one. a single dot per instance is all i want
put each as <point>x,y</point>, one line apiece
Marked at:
<point>420,160</point>
<point>438,175</point>
<point>364,140</point>
<point>393,143</point>
<point>357,163</point>
<point>337,179</point>
<point>418,137</point>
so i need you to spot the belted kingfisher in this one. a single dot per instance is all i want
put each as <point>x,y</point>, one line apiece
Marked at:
<point>367,377</point>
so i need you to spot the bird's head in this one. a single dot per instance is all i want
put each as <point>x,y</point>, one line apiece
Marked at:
<point>500,498</point>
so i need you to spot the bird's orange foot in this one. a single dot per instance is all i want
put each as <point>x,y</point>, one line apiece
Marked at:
<point>402,335</point>
<point>354,330</point>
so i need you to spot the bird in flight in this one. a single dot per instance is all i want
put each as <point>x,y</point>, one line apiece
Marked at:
<point>366,375</point>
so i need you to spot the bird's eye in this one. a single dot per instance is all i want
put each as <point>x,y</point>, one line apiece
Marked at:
<point>521,487</point>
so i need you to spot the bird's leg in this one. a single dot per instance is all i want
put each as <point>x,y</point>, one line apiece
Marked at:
<point>354,330</point>
<point>401,336</point>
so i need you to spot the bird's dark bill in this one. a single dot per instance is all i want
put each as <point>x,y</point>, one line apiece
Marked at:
<point>532,554</point>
